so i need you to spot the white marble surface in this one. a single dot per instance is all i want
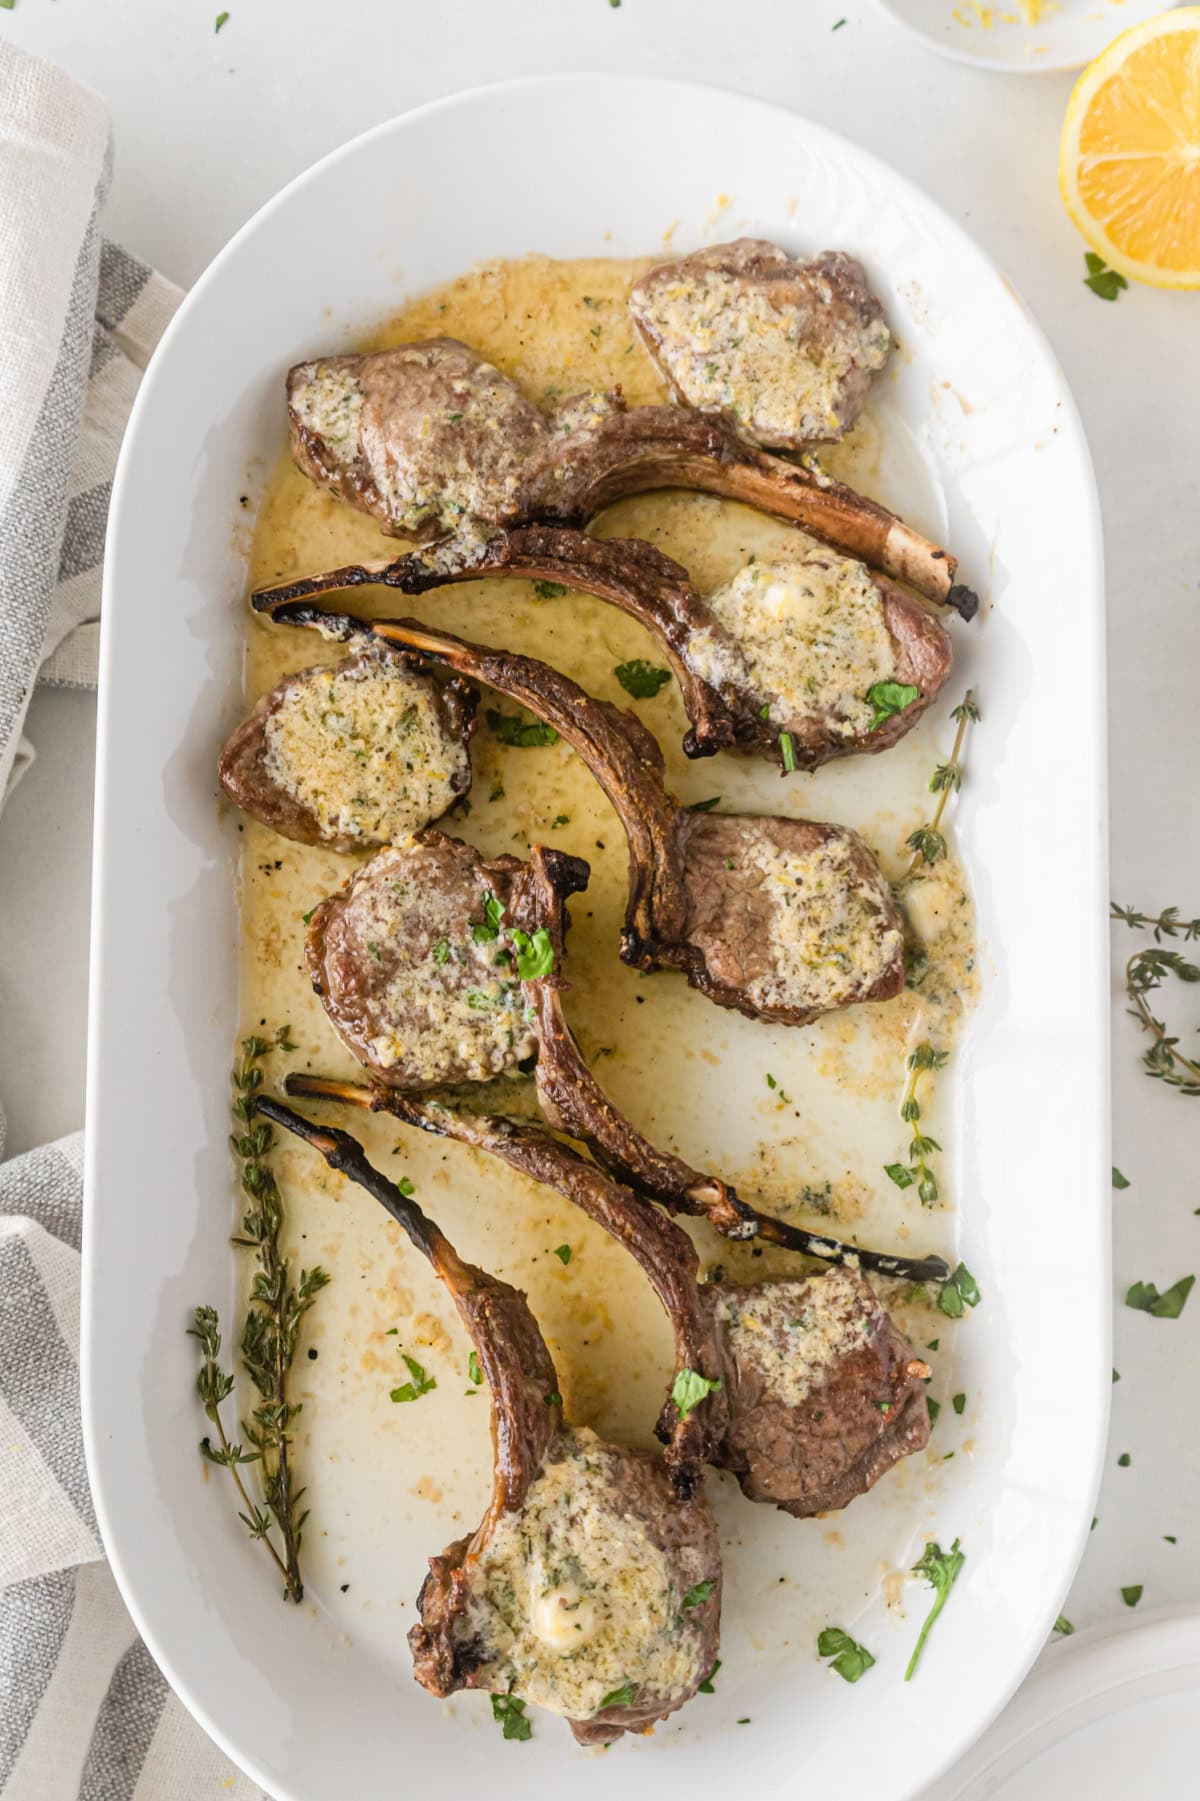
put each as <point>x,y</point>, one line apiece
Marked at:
<point>208,126</point>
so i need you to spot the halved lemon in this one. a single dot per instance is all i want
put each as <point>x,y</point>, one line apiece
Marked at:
<point>1129,161</point>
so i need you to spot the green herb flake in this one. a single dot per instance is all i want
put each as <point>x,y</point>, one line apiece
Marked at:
<point>535,955</point>
<point>838,26</point>
<point>1168,1539</point>
<point>935,1407</point>
<point>1063,1626</point>
<point>1144,1297</point>
<point>510,1711</point>
<point>706,1687</point>
<point>474,1373</point>
<point>705,806</point>
<point>787,750</point>
<point>560,819</point>
<point>524,734</point>
<point>618,1697</point>
<point>888,699</point>
<point>960,1292</point>
<point>1104,282</point>
<point>421,1383</point>
<point>1133,1594</point>
<point>1118,1180</point>
<point>641,679</point>
<point>958,1403</point>
<point>563,1253</point>
<point>306,917</point>
<point>850,1659</point>
<point>941,1570</point>
<point>690,1388</point>
<point>487,929</point>
<point>896,1172</point>
<point>549,590</point>
<point>222,19</point>
<point>697,1596</point>
<point>441,950</point>
<point>1124,1460</point>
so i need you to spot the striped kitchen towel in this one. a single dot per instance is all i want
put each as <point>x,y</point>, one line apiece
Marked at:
<point>83,1710</point>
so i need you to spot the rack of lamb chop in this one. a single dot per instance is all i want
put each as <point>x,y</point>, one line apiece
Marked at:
<point>434,441</point>
<point>353,755</point>
<point>792,651</point>
<point>780,919</point>
<point>612,1627</point>
<point>438,968</point>
<point>803,1388</point>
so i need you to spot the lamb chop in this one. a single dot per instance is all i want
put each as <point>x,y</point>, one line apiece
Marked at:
<point>807,1391</point>
<point>432,440</point>
<point>786,350</point>
<point>437,968</point>
<point>359,754</point>
<point>780,919</point>
<point>792,651</point>
<point>591,1588</point>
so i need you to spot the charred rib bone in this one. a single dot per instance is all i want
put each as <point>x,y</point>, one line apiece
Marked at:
<point>412,962</point>
<point>546,1476</point>
<point>789,646</point>
<point>431,440</point>
<point>818,1393</point>
<point>780,919</point>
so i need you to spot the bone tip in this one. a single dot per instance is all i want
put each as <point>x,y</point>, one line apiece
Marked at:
<point>964,600</point>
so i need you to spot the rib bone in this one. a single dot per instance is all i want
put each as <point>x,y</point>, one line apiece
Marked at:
<point>729,688</point>
<point>431,440</point>
<point>462,1639</point>
<point>780,919</point>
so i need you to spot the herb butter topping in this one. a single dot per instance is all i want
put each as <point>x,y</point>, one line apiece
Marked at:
<point>825,928</point>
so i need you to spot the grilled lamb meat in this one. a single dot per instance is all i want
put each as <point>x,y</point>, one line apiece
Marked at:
<point>431,440</point>
<point>421,999</point>
<point>359,754</point>
<point>532,1604</point>
<point>504,923</point>
<point>780,919</point>
<point>785,350</point>
<point>795,646</point>
<point>817,1394</point>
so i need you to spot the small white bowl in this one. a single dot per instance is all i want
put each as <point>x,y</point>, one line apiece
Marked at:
<point>994,34</point>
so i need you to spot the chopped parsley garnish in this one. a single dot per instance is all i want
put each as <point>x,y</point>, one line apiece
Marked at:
<point>485,930</point>
<point>375,951</point>
<point>958,1403</point>
<point>1063,1625</point>
<point>787,750</point>
<point>405,1185</point>
<point>620,1697</point>
<point>453,418</point>
<point>553,1399</point>
<point>1132,1595</point>
<point>705,806</point>
<point>549,590</point>
<point>421,1382</point>
<point>1104,282</point>
<point>641,679</point>
<point>935,1407</point>
<point>525,734</point>
<point>690,1389</point>
<point>899,1173</point>
<point>1124,1460</point>
<point>477,1000</point>
<point>940,1569</point>
<point>563,1253</point>
<point>850,1659</point>
<point>535,955</point>
<point>441,950</point>
<point>1118,1180</point>
<point>222,19</point>
<point>697,1596</point>
<point>559,819</point>
<point>888,699</point>
<point>510,1711</point>
<point>706,1687</point>
<point>474,1373</point>
<point>1145,1298</point>
<point>306,917</point>
<point>960,1292</point>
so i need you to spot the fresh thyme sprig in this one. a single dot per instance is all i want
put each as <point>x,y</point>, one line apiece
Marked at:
<point>928,843</point>
<point>269,1335</point>
<point>921,1146</point>
<point>1145,971</point>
